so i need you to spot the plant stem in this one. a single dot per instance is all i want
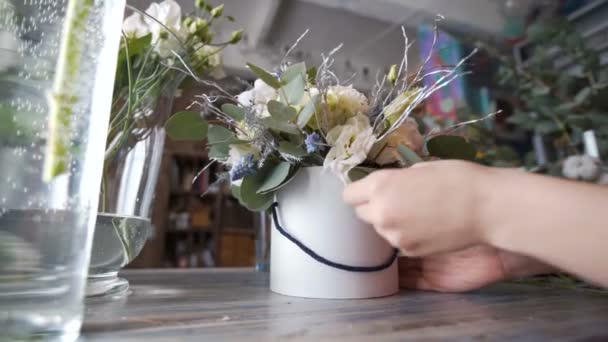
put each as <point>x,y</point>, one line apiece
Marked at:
<point>62,98</point>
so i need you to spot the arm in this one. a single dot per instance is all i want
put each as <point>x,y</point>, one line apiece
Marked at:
<point>447,206</point>
<point>562,223</point>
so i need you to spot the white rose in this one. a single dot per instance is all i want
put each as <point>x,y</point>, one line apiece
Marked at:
<point>135,26</point>
<point>262,93</point>
<point>245,98</point>
<point>350,143</point>
<point>169,14</point>
<point>258,97</point>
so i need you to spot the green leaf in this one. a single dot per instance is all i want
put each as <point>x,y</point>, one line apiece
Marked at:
<point>236,192</point>
<point>265,76</point>
<point>249,195</point>
<point>294,90</point>
<point>410,157</point>
<point>359,173</point>
<point>293,71</point>
<point>219,151</point>
<point>234,111</point>
<point>311,74</point>
<point>220,135</point>
<point>280,111</point>
<point>583,95</point>
<point>275,177</point>
<point>451,147</point>
<point>187,126</point>
<point>308,111</point>
<point>546,127</point>
<point>291,149</point>
<point>280,126</point>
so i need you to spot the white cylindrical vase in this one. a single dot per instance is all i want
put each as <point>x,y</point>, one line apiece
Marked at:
<point>311,211</point>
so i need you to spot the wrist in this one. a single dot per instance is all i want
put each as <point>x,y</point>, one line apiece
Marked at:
<point>485,198</point>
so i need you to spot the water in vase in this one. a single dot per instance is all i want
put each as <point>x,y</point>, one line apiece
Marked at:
<point>46,227</point>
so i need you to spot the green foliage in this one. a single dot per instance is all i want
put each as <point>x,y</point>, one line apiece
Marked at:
<point>280,126</point>
<point>291,149</point>
<point>450,147</point>
<point>294,90</point>
<point>234,111</point>
<point>564,104</point>
<point>293,71</point>
<point>281,112</point>
<point>308,111</point>
<point>187,126</point>
<point>275,177</point>
<point>265,76</point>
<point>219,135</point>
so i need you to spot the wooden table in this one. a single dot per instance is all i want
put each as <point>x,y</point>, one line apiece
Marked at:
<point>229,305</point>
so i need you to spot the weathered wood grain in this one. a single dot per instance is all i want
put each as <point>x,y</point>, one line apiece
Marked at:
<point>229,305</point>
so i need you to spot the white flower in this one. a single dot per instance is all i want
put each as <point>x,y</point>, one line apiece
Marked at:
<point>169,14</point>
<point>239,151</point>
<point>245,98</point>
<point>213,60</point>
<point>258,97</point>
<point>343,102</point>
<point>581,167</point>
<point>350,143</point>
<point>134,26</point>
<point>262,92</point>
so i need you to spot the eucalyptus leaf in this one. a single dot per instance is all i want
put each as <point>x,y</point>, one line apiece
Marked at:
<point>280,126</point>
<point>294,90</point>
<point>583,95</point>
<point>265,76</point>
<point>451,147</point>
<point>359,173</point>
<point>219,151</point>
<point>236,191</point>
<point>187,126</point>
<point>298,69</point>
<point>220,135</point>
<point>280,111</point>
<point>291,149</point>
<point>409,156</point>
<point>546,127</point>
<point>308,111</point>
<point>249,196</point>
<point>234,111</point>
<point>275,177</point>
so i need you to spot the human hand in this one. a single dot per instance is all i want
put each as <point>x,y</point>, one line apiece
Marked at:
<point>427,209</point>
<point>466,270</point>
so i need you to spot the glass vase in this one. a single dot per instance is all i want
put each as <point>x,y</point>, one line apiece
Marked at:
<point>46,223</point>
<point>130,175</point>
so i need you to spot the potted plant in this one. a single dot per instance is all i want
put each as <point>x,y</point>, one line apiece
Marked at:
<point>290,145</point>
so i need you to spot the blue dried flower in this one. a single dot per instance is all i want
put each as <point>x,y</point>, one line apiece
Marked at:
<point>247,166</point>
<point>313,143</point>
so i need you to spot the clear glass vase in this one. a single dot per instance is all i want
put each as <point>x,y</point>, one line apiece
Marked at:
<point>46,226</point>
<point>131,172</point>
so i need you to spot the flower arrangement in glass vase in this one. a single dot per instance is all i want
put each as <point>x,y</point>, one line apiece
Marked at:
<point>295,139</point>
<point>154,41</point>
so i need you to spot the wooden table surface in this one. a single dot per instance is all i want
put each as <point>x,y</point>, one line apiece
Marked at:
<point>236,304</point>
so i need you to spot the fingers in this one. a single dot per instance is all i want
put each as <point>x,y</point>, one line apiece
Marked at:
<point>414,280</point>
<point>362,191</point>
<point>366,213</point>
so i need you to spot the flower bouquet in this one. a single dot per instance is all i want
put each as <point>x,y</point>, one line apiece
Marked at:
<point>292,142</point>
<point>154,43</point>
